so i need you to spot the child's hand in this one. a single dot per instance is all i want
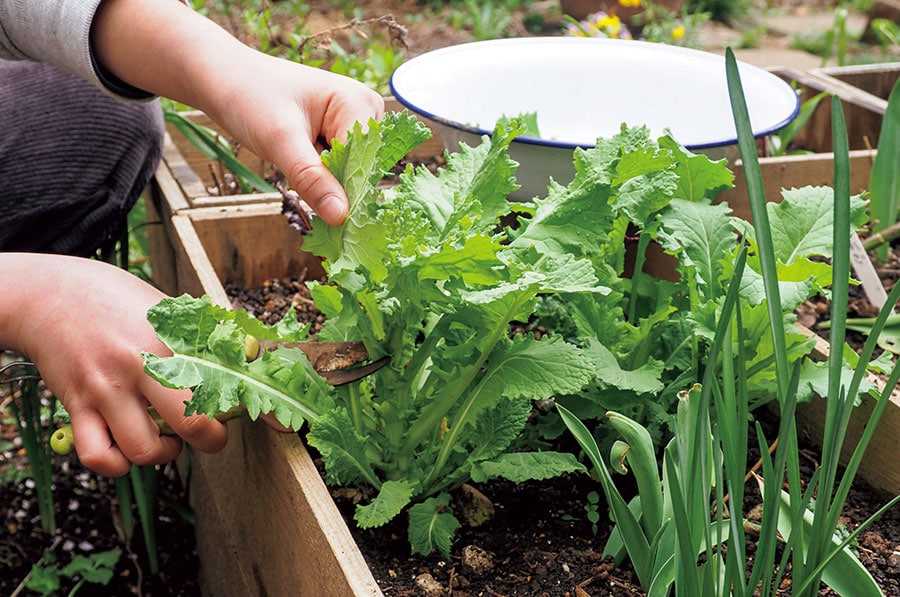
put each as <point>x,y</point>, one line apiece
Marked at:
<point>288,113</point>
<point>283,111</point>
<point>84,325</point>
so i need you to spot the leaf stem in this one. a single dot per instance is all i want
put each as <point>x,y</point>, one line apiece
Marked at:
<point>450,396</point>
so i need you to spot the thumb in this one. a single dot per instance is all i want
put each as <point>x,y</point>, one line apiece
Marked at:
<point>315,184</point>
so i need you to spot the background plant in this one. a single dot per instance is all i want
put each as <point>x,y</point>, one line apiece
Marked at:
<point>649,337</point>
<point>43,426</point>
<point>46,575</point>
<point>779,143</point>
<point>833,43</point>
<point>658,24</point>
<point>654,23</point>
<point>671,522</point>
<point>887,33</point>
<point>812,549</point>
<point>217,148</point>
<point>884,180</point>
<point>725,11</point>
<point>34,412</point>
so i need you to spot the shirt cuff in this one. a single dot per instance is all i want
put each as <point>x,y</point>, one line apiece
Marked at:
<point>115,85</point>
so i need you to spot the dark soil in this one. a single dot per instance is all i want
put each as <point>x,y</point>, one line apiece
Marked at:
<point>89,521</point>
<point>539,541</point>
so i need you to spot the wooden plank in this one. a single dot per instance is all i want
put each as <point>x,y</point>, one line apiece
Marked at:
<point>182,172</point>
<point>879,467</point>
<point>195,272</point>
<point>249,244</point>
<point>876,79</point>
<point>162,251</point>
<point>266,523</point>
<point>865,272</point>
<point>171,192</point>
<point>235,200</point>
<point>795,171</point>
<point>863,112</point>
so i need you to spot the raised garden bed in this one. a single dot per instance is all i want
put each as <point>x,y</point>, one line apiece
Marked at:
<point>262,497</point>
<point>874,79</point>
<point>863,111</point>
<point>264,471</point>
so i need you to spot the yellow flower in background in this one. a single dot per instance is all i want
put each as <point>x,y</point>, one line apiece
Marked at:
<point>678,32</point>
<point>609,24</point>
<point>630,3</point>
<point>599,24</point>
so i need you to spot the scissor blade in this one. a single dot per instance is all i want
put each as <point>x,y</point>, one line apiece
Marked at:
<point>337,362</point>
<point>326,356</point>
<point>339,377</point>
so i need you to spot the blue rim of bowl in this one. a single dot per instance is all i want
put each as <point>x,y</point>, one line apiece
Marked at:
<point>568,145</point>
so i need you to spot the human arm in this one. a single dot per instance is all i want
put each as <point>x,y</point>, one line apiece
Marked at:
<point>282,111</point>
<point>278,109</point>
<point>83,323</point>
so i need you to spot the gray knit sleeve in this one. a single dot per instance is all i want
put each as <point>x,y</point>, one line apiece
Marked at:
<point>57,32</point>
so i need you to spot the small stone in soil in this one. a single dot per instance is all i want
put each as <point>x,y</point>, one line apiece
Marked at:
<point>475,507</point>
<point>429,586</point>
<point>476,560</point>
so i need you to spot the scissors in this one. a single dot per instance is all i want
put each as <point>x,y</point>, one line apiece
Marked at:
<point>339,363</point>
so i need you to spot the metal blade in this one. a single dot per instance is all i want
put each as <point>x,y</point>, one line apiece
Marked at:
<point>326,356</point>
<point>338,362</point>
<point>339,377</point>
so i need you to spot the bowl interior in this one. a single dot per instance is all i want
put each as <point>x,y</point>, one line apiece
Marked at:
<point>585,88</point>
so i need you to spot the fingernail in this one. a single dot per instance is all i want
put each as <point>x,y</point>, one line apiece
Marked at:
<point>332,209</point>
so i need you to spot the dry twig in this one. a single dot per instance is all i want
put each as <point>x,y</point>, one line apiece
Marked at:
<point>396,32</point>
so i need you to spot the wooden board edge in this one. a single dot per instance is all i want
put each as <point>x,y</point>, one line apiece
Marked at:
<point>266,523</point>
<point>161,247</point>
<point>173,199</point>
<point>340,541</point>
<point>846,92</point>
<point>879,467</point>
<point>235,200</point>
<point>269,455</point>
<point>195,272</point>
<point>183,174</point>
<point>794,171</point>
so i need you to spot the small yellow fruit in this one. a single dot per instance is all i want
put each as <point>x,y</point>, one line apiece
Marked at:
<point>251,347</point>
<point>62,441</point>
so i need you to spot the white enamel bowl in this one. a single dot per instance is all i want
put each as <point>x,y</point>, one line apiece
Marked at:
<point>582,89</point>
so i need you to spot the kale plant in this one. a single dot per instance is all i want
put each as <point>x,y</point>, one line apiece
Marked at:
<point>649,337</point>
<point>442,271</point>
<point>427,274</point>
